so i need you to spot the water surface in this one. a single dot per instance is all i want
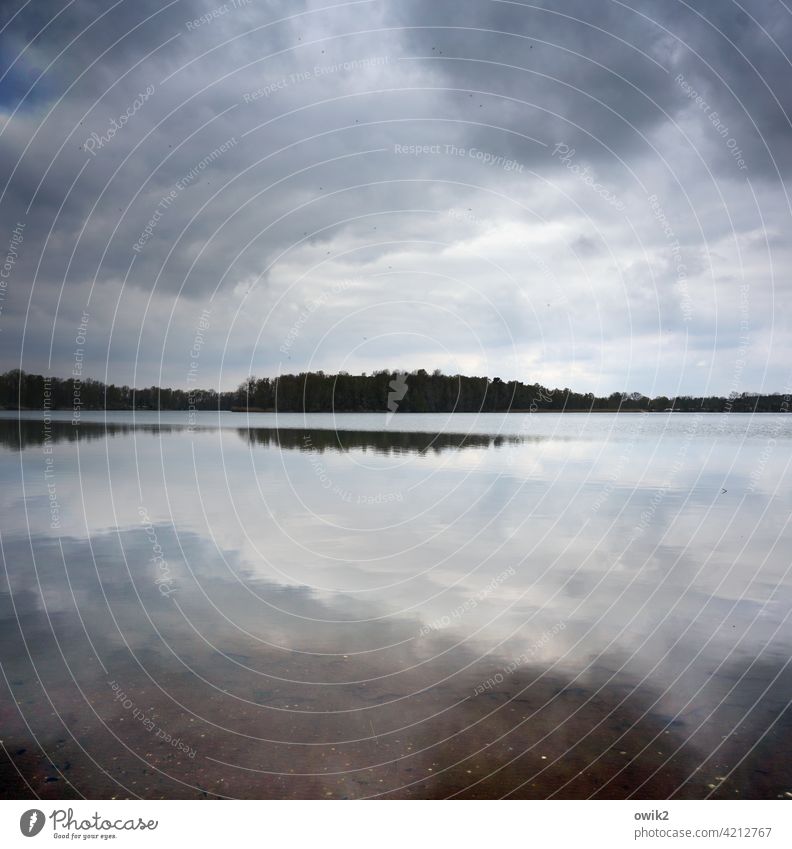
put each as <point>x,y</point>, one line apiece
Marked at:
<point>324,605</point>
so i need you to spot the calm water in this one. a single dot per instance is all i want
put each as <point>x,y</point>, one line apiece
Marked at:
<point>476,606</point>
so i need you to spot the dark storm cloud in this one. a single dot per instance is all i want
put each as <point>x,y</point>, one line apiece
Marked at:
<point>584,73</point>
<point>601,74</point>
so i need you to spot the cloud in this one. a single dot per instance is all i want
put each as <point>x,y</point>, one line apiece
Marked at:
<point>246,158</point>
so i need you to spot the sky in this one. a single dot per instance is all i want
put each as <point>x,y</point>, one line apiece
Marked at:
<point>589,194</point>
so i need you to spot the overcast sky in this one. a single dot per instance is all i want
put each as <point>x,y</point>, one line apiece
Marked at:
<point>583,193</point>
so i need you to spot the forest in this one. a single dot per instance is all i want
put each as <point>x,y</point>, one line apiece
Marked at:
<point>382,391</point>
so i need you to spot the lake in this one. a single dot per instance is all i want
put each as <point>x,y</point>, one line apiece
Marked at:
<point>430,606</point>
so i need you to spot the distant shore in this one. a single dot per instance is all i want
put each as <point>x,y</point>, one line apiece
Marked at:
<point>380,392</point>
<point>405,413</point>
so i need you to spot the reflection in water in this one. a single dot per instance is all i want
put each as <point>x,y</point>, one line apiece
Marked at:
<point>209,621</point>
<point>255,719</point>
<point>20,434</point>
<point>380,442</point>
<point>23,433</point>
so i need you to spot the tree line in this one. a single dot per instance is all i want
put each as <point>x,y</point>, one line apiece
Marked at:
<point>383,391</point>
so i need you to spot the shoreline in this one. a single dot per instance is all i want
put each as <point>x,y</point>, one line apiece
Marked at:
<point>261,411</point>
